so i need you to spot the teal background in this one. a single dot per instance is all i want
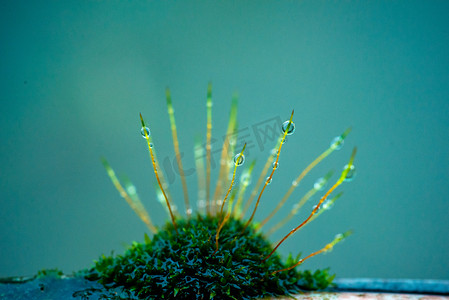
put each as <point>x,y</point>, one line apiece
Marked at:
<point>74,76</point>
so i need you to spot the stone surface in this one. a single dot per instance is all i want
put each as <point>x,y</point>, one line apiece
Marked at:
<point>394,285</point>
<point>78,288</point>
<point>373,296</point>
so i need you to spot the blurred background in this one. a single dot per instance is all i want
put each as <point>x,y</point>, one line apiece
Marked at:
<point>75,75</point>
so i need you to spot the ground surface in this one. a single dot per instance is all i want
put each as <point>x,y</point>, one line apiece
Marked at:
<point>78,288</point>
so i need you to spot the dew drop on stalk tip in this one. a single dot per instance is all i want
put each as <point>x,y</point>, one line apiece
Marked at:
<point>351,173</point>
<point>239,159</point>
<point>291,129</point>
<point>337,143</point>
<point>142,132</point>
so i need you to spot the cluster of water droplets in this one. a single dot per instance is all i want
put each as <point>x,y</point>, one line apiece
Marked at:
<point>147,135</point>
<point>274,152</point>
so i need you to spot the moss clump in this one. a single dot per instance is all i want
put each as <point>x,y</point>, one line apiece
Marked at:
<point>53,273</point>
<point>183,266</point>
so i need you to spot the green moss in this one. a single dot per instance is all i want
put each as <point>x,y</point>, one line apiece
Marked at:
<point>53,273</point>
<point>183,266</point>
<point>184,262</point>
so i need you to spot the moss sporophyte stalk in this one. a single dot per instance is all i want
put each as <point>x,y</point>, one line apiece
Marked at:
<point>212,251</point>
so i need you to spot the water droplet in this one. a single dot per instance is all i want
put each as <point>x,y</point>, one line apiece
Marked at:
<point>291,129</point>
<point>131,190</point>
<point>295,183</point>
<point>315,206</point>
<point>339,237</point>
<point>351,173</point>
<point>151,145</point>
<point>269,180</point>
<point>284,141</point>
<point>274,152</point>
<point>319,184</point>
<point>201,203</point>
<point>275,165</point>
<point>239,159</point>
<point>142,132</point>
<point>245,179</point>
<point>189,211</point>
<point>328,204</point>
<point>295,208</point>
<point>337,143</point>
<point>160,196</point>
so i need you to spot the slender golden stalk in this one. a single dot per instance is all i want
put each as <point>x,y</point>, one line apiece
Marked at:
<point>244,182</point>
<point>199,164</point>
<point>231,200</point>
<point>227,167</point>
<point>319,184</point>
<point>340,180</point>
<point>259,182</point>
<point>326,206</point>
<point>237,163</point>
<point>134,202</point>
<point>161,199</point>
<point>208,144</point>
<point>334,146</point>
<point>292,213</point>
<point>272,172</point>
<point>295,209</point>
<point>177,153</point>
<point>224,169</point>
<point>164,183</point>
<point>148,138</point>
<point>338,238</point>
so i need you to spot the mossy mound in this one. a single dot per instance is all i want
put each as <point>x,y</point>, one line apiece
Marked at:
<point>183,266</point>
